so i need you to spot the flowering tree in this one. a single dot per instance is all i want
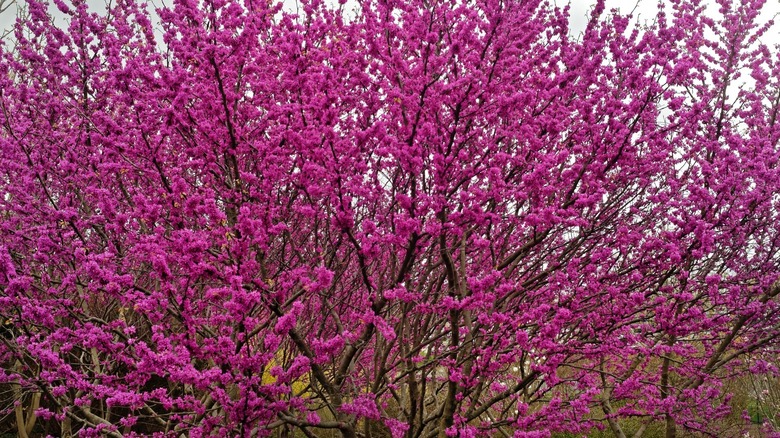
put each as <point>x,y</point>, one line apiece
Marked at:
<point>406,218</point>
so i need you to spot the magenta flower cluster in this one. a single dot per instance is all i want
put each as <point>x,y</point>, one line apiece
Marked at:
<point>406,218</point>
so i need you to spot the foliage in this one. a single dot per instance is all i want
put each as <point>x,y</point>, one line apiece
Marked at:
<point>413,218</point>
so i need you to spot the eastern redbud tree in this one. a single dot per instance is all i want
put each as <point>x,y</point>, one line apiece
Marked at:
<point>406,218</point>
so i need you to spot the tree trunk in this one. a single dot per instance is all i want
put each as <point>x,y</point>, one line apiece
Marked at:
<point>671,427</point>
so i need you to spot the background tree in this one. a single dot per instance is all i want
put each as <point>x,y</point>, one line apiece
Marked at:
<point>409,218</point>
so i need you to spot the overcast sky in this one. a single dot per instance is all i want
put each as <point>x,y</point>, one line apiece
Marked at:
<point>644,10</point>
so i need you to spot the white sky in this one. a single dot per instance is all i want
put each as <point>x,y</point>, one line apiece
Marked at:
<point>644,10</point>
